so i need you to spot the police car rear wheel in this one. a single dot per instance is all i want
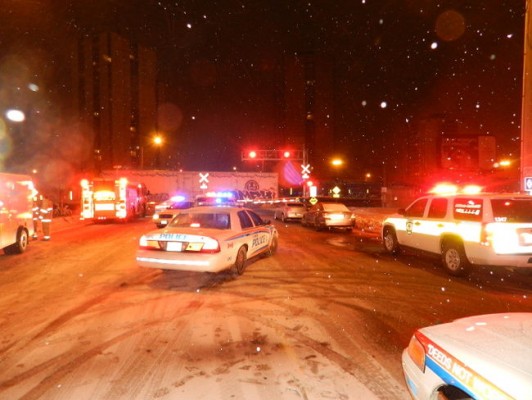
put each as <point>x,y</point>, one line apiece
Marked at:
<point>454,258</point>
<point>273,246</point>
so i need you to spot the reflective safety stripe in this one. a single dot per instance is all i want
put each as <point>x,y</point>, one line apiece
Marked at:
<point>453,371</point>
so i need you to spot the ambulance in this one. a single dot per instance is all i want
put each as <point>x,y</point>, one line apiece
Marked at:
<point>112,199</point>
<point>16,200</point>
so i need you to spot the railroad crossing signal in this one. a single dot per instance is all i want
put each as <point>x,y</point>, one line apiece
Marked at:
<point>204,180</point>
<point>305,171</point>
<point>273,155</point>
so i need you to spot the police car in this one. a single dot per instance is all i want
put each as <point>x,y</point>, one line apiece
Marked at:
<point>208,239</point>
<point>466,229</point>
<point>163,215</point>
<point>481,357</point>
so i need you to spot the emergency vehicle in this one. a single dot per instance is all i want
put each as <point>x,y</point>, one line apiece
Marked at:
<point>112,199</point>
<point>16,201</point>
<point>483,357</point>
<point>465,228</point>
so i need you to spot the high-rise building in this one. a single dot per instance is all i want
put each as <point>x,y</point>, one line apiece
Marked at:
<point>115,95</point>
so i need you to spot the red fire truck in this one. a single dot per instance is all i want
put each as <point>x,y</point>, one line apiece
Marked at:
<point>107,199</point>
<point>16,197</point>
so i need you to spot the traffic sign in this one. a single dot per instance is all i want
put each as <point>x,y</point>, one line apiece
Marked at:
<point>528,183</point>
<point>204,180</point>
<point>305,171</point>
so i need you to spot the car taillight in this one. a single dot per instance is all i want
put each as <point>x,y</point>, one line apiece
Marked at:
<point>416,351</point>
<point>207,245</point>
<point>486,235</point>
<point>210,246</point>
<point>145,243</point>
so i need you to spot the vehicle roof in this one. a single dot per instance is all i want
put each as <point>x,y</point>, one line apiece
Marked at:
<point>497,346</point>
<point>334,206</point>
<point>214,209</point>
<point>480,195</point>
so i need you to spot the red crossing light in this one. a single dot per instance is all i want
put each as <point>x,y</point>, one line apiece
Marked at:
<point>252,154</point>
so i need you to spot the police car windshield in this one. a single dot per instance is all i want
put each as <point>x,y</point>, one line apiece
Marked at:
<point>512,210</point>
<point>201,220</point>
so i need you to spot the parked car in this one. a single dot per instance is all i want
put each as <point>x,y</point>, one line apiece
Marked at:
<point>208,239</point>
<point>289,211</point>
<point>479,357</point>
<point>464,229</point>
<point>329,215</point>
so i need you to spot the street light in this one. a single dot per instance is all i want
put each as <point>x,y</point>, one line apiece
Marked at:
<point>337,162</point>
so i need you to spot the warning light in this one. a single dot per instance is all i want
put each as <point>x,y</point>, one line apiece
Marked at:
<point>444,188</point>
<point>286,154</point>
<point>252,154</point>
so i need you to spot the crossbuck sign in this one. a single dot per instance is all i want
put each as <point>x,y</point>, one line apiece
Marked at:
<point>203,180</point>
<point>305,171</point>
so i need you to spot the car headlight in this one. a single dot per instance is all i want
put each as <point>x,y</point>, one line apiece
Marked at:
<point>416,351</point>
<point>143,242</point>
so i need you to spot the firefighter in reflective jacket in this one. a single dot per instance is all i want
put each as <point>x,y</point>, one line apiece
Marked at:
<point>46,213</point>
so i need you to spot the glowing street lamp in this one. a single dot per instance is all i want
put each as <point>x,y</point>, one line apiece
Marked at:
<point>158,140</point>
<point>337,162</point>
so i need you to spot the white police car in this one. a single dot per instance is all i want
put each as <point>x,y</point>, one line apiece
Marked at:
<point>485,357</point>
<point>466,229</point>
<point>208,239</point>
<point>163,215</point>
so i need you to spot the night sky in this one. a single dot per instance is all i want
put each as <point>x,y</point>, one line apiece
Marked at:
<point>395,62</point>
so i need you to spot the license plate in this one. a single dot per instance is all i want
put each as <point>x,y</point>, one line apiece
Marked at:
<point>174,246</point>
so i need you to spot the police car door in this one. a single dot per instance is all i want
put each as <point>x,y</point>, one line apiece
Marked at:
<point>261,238</point>
<point>433,225</point>
<point>408,234</point>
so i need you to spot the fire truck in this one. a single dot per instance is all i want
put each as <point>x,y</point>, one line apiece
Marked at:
<point>16,199</point>
<point>112,199</point>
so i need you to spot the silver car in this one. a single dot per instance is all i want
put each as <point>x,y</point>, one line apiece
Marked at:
<point>290,211</point>
<point>329,215</point>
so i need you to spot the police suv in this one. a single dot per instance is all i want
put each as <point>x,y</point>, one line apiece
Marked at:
<point>466,229</point>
